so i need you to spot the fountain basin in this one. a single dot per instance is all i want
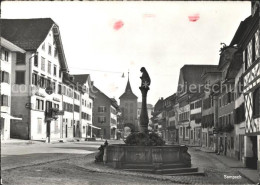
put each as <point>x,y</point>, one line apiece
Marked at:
<point>122,156</point>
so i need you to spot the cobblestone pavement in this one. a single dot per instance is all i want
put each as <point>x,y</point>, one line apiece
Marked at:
<point>82,170</point>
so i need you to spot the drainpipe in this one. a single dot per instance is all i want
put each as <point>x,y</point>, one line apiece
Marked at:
<point>63,110</point>
<point>29,95</point>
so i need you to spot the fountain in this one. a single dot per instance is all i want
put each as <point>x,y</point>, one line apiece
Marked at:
<point>147,152</point>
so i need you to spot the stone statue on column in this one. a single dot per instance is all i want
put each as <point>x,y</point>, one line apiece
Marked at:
<point>145,83</point>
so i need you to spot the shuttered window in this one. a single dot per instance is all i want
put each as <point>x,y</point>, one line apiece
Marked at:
<point>101,109</point>
<point>20,58</point>
<point>76,108</point>
<point>42,82</point>
<point>54,70</point>
<point>5,77</point>
<point>59,89</point>
<point>35,79</point>
<point>49,67</point>
<point>19,77</point>
<point>102,119</point>
<point>256,103</point>
<point>4,100</point>
<point>36,60</point>
<point>43,64</point>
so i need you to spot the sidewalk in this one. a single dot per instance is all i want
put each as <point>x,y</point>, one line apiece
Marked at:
<point>250,174</point>
<point>24,142</point>
<point>53,141</point>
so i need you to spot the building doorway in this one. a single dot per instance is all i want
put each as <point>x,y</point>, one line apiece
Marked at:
<point>254,149</point>
<point>66,131</point>
<point>225,146</point>
<point>241,147</point>
<point>74,130</point>
<point>48,129</point>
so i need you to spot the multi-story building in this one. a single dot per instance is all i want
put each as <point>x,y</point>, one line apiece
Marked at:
<point>157,116</point>
<point>7,58</point>
<point>104,115</point>
<point>35,76</point>
<point>67,90</point>
<point>195,119</point>
<point>235,72</point>
<point>169,129</point>
<point>209,77</point>
<point>190,83</point>
<point>248,42</point>
<point>226,104</point>
<point>83,82</point>
<point>128,106</point>
<point>42,85</point>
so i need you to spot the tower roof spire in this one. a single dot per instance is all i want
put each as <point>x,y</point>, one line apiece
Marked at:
<point>128,90</point>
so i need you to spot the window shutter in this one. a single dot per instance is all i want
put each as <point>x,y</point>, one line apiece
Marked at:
<point>105,109</point>
<point>5,100</point>
<point>6,77</point>
<point>36,60</point>
<point>20,77</point>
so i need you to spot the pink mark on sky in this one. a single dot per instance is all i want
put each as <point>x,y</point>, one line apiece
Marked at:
<point>118,25</point>
<point>194,17</point>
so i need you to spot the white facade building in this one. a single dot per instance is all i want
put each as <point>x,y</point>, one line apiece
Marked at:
<point>7,57</point>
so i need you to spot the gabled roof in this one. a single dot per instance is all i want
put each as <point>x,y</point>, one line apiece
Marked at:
<point>128,94</point>
<point>81,78</point>
<point>112,100</point>
<point>159,105</point>
<point>28,34</point>
<point>10,46</point>
<point>114,103</point>
<point>192,73</point>
<point>171,97</point>
<point>240,30</point>
<point>212,69</point>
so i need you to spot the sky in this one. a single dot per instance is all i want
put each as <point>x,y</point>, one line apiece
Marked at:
<point>107,39</point>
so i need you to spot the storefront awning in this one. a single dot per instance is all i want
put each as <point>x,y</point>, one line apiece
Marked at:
<point>94,127</point>
<point>113,126</point>
<point>6,115</point>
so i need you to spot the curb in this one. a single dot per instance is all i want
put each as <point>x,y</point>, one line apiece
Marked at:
<point>243,175</point>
